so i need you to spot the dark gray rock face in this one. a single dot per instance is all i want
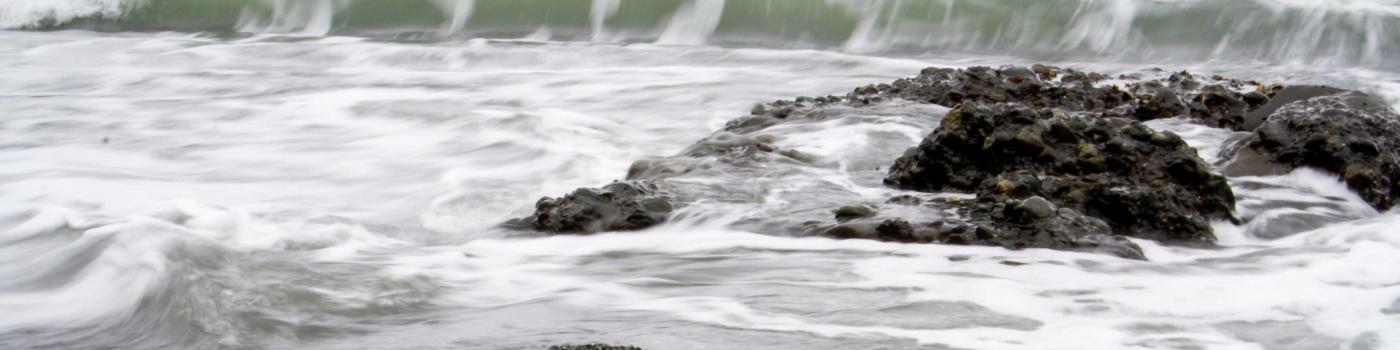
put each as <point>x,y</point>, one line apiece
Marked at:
<point>1056,158</point>
<point>1114,175</point>
<point>1014,224</point>
<point>593,347</point>
<point>726,147</point>
<point>850,212</point>
<point>1216,103</point>
<point>888,230</point>
<point>950,87</point>
<point>620,206</point>
<point>1035,222</point>
<point>1350,134</point>
<point>1285,96</point>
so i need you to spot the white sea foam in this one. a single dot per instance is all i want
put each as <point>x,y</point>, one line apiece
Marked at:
<point>23,13</point>
<point>270,190</point>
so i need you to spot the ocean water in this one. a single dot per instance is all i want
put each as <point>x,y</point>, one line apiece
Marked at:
<point>330,174</point>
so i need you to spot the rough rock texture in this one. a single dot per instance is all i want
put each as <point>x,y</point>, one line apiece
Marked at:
<point>889,230</point>
<point>1218,103</point>
<point>1350,134</point>
<point>949,87</point>
<point>905,199</point>
<point>850,212</point>
<point>1015,224</point>
<point>1035,222</point>
<point>1056,158</point>
<point>1136,181</point>
<point>1009,224</point>
<point>593,347</point>
<point>620,206</point>
<point>1283,97</point>
<point>743,147</point>
<point>725,146</point>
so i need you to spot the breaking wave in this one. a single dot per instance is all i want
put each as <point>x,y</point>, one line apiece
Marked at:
<point>1332,32</point>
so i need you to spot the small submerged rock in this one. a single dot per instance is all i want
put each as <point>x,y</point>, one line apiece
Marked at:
<point>724,147</point>
<point>888,230</point>
<point>620,206</point>
<point>851,212</point>
<point>905,200</point>
<point>593,347</point>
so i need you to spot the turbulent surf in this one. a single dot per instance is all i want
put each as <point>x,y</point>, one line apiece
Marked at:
<point>366,174</point>
<point>1337,31</point>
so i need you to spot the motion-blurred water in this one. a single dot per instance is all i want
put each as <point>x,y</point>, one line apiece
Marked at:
<point>329,174</point>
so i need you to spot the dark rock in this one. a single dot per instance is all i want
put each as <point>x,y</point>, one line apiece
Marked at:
<point>1028,224</point>
<point>896,230</point>
<point>736,145</point>
<point>1157,101</point>
<point>851,212</point>
<point>966,234</point>
<point>858,230</point>
<point>1245,161</point>
<point>1016,133</point>
<point>1117,176</point>
<point>1034,223</point>
<point>1284,97</point>
<point>1031,210</point>
<point>732,147</point>
<point>1033,86</point>
<point>593,347</point>
<point>1217,104</point>
<point>620,206</point>
<point>1183,80</point>
<point>1221,107</point>
<point>887,230</point>
<point>1353,135</point>
<point>905,200</point>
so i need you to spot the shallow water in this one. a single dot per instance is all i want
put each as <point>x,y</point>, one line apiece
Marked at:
<point>191,190</point>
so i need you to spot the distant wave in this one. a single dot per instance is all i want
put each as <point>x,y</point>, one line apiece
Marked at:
<point>1332,32</point>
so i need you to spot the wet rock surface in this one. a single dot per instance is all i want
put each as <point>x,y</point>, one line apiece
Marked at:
<point>1051,157</point>
<point>850,212</point>
<point>593,347</point>
<point>1283,97</point>
<point>1350,134</point>
<point>1036,223</point>
<point>620,206</point>
<point>1046,178</point>
<point>1218,101</point>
